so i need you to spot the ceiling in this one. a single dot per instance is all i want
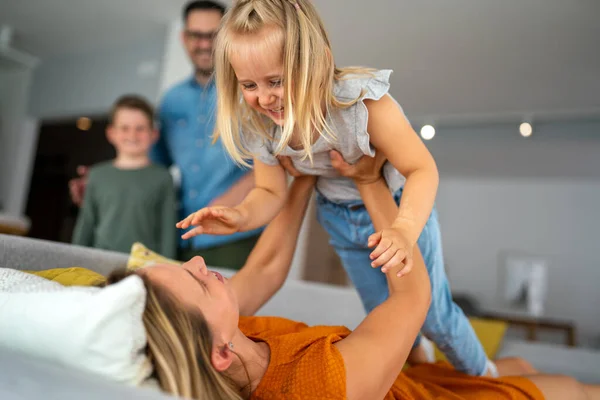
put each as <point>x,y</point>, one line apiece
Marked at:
<point>51,27</point>
<point>463,57</point>
<point>468,57</point>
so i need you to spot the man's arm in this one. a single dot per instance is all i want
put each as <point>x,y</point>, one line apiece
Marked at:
<point>159,153</point>
<point>77,185</point>
<point>269,263</point>
<point>168,214</point>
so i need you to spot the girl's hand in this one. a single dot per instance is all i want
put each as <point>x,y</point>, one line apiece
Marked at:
<point>215,220</point>
<point>393,249</point>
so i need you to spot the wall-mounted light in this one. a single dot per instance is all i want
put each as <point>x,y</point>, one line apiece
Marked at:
<point>84,123</point>
<point>427,132</point>
<point>525,129</point>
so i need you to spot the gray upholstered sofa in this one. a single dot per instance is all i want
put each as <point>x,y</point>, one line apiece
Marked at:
<point>27,377</point>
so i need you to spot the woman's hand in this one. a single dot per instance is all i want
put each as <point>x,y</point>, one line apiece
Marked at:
<point>288,165</point>
<point>365,171</point>
<point>215,220</point>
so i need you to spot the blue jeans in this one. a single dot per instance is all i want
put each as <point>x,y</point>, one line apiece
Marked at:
<point>349,226</point>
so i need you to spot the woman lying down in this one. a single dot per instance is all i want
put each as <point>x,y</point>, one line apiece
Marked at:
<point>202,348</point>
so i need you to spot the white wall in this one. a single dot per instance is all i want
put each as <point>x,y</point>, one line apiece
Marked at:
<point>500,192</point>
<point>15,161</point>
<point>3,80</point>
<point>176,65</point>
<point>21,169</point>
<point>88,83</point>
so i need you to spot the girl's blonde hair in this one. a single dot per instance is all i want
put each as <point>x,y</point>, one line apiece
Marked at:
<point>308,68</point>
<point>179,346</point>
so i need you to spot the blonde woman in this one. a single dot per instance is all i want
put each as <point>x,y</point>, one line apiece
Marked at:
<point>276,56</point>
<point>201,348</point>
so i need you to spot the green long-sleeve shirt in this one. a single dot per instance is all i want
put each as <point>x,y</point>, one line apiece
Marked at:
<point>123,206</point>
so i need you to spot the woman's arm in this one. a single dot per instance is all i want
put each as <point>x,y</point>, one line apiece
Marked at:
<point>376,351</point>
<point>392,134</point>
<point>269,262</point>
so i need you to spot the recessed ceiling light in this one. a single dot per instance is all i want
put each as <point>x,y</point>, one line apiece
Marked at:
<point>427,132</point>
<point>525,129</point>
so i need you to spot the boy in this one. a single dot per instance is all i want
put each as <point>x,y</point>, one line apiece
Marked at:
<point>129,199</point>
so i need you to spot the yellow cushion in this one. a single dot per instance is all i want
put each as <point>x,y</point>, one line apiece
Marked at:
<point>74,276</point>
<point>490,334</point>
<point>142,257</point>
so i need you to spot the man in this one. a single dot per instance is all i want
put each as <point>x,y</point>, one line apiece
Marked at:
<point>187,117</point>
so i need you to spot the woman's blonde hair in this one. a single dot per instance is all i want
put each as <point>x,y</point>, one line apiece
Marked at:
<point>179,346</point>
<point>308,68</point>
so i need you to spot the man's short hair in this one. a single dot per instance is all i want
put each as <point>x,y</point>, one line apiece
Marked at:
<point>202,5</point>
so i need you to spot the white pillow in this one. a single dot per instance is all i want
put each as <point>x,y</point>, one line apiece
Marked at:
<point>12,280</point>
<point>99,330</point>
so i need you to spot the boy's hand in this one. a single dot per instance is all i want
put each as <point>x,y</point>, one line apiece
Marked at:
<point>393,249</point>
<point>212,221</point>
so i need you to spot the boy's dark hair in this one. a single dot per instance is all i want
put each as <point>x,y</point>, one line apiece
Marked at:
<point>202,5</point>
<point>132,102</point>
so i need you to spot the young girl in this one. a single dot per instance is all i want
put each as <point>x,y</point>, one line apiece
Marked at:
<point>276,55</point>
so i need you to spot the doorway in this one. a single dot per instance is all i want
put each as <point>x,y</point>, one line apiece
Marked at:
<point>62,146</point>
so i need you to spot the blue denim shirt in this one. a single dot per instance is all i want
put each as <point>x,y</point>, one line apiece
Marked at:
<point>187,121</point>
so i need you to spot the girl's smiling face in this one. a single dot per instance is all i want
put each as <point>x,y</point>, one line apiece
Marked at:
<point>258,65</point>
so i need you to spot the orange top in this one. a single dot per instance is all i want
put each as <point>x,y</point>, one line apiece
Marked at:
<point>306,365</point>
